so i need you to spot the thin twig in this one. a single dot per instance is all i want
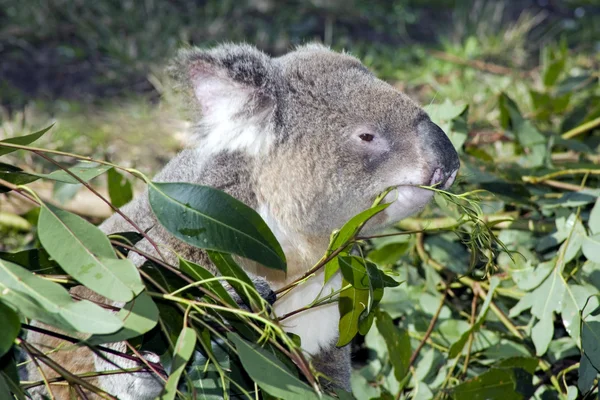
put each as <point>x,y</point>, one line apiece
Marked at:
<point>72,379</point>
<point>106,201</point>
<point>313,269</point>
<point>79,341</point>
<point>429,330</point>
<point>476,288</point>
<point>581,129</point>
<point>576,171</point>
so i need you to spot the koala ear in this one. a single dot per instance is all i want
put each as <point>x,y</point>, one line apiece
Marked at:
<point>235,90</point>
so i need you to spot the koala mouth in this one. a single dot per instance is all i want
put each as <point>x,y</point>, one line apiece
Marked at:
<point>441,180</point>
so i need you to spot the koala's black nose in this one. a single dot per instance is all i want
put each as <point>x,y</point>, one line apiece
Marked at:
<point>439,152</point>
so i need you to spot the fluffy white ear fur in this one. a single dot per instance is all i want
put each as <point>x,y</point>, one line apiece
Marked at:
<point>230,120</point>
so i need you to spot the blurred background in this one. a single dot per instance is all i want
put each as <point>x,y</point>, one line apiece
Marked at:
<point>95,68</point>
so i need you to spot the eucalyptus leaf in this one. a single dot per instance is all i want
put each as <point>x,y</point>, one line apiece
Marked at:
<point>22,140</point>
<point>270,374</point>
<point>120,189</point>
<point>139,316</point>
<point>352,303</point>
<point>398,344</point>
<point>591,248</point>
<point>496,383</point>
<point>587,374</point>
<point>84,171</point>
<point>199,273</point>
<point>48,302</point>
<point>184,348</point>
<point>228,267</point>
<point>213,220</point>
<point>11,325</point>
<point>85,253</point>
<point>594,220</point>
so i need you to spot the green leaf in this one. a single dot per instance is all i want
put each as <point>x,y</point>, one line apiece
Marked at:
<point>354,271</point>
<point>198,273</point>
<point>594,221</point>
<point>8,370</point>
<point>269,373</point>
<point>22,140</point>
<point>352,303</point>
<point>541,334</point>
<point>574,299</point>
<point>591,248</point>
<point>120,189</point>
<point>347,232</point>
<point>211,219</point>
<point>388,254</point>
<point>48,302</point>
<point>184,348</point>
<point>552,70</point>
<point>590,337</point>
<point>351,228</point>
<point>85,253</point>
<point>529,278</point>
<point>84,171</point>
<point>529,364</point>
<point>139,316</point>
<point>496,383</point>
<point>4,388</point>
<point>11,325</point>
<point>14,175</point>
<point>228,267</point>
<point>397,342</point>
<point>587,375</point>
<point>204,375</point>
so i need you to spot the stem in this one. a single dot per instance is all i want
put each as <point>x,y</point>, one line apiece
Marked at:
<point>472,334</point>
<point>69,377</point>
<point>581,129</point>
<point>77,341</point>
<point>29,385</point>
<point>414,355</point>
<point>63,153</point>
<point>95,192</point>
<point>314,269</point>
<point>576,171</point>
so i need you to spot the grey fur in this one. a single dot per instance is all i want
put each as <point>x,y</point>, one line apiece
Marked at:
<point>309,109</point>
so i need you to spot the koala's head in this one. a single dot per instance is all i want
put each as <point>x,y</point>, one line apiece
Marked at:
<point>325,135</point>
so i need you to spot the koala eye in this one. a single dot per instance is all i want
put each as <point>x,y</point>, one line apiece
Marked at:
<point>366,137</point>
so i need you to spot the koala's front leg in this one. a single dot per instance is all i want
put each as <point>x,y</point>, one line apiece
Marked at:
<point>335,364</point>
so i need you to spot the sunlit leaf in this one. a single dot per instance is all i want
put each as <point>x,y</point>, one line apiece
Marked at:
<point>270,374</point>
<point>198,273</point>
<point>22,140</point>
<point>85,253</point>
<point>120,189</point>
<point>352,303</point>
<point>48,302</point>
<point>184,348</point>
<point>139,316</point>
<point>211,219</point>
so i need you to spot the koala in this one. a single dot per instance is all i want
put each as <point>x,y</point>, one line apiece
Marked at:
<point>308,140</point>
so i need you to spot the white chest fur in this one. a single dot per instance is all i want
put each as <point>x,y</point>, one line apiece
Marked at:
<point>317,327</point>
